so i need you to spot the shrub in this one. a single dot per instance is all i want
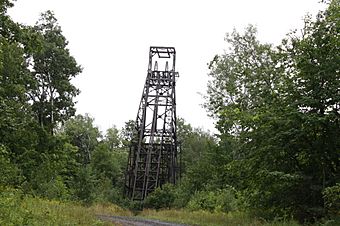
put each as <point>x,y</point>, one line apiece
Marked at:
<point>183,193</point>
<point>331,197</point>
<point>54,189</point>
<point>10,211</point>
<point>16,208</point>
<point>161,198</point>
<point>84,185</point>
<point>223,200</point>
<point>9,172</point>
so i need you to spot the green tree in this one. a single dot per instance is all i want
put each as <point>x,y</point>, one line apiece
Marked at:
<point>82,134</point>
<point>316,94</point>
<point>81,177</point>
<point>51,168</point>
<point>15,116</point>
<point>84,184</point>
<point>17,127</point>
<point>112,138</point>
<point>4,5</point>
<point>313,63</point>
<point>99,174</point>
<point>128,132</point>
<point>108,167</point>
<point>106,163</point>
<point>35,61</point>
<point>53,67</point>
<point>279,109</point>
<point>197,161</point>
<point>245,81</point>
<point>194,143</point>
<point>10,174</point>
<point>161,197</point>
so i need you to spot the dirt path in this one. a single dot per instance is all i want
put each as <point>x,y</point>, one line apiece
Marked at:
<point>135,221</point>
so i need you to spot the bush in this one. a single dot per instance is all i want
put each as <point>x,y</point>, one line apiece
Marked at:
<point>331,197</point>
<point>54,189</point>
<point>9,172</point>
<point>16,208</point>
<point>10,211</point>
<point>183,192</point>
<point>84,185</point>
<point>221,200</point>
<point>161,198</point>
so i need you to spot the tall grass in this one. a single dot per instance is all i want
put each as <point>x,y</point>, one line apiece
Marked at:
<point>19,209</point>
<point>205,218</point>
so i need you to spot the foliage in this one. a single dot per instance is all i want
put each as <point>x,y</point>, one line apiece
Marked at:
<point>19,209</point>
<point>109,167</point>
<point>128,132</point>
<point>278,107</point>
<point>83,134</point>
<point>35,62</point>
<point>331,196</point>
<point>9,173</point>
<point>101,175</point>
<point>194,143</point>
<point>214,201</point>
<point>105,163</point>
<point>112,138</point>
<point>182,193</point>
<point>206,218</point>
<point>42,148</point>
<point>197,155</point>
<point>4,4</point>
<point>53,67</point>
<point>83,185</point>
<point>161,197</point>
<point>55,189</point>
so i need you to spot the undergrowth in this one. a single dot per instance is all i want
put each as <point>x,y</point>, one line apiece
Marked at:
<point>19,209</point>
<point>206,218</point>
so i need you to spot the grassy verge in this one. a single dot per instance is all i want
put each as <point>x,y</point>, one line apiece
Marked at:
<point>204,218</point>
<point>19,209</point>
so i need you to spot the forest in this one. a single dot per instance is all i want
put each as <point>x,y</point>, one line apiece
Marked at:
<point>274,161</point>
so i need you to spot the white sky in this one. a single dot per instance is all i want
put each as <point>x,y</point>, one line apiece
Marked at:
<point>111,40</point>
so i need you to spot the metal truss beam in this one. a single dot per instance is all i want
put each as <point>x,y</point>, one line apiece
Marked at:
<point>153,153</point>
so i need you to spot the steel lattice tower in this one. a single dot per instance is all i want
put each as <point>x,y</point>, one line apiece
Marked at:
<point>153,153</point>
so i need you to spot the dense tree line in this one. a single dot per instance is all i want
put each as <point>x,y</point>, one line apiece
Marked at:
<point>279,107</point>
<point>44,149</point>
<point>277,111</point>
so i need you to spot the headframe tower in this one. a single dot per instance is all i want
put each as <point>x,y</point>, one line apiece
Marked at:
<point>153,152</point>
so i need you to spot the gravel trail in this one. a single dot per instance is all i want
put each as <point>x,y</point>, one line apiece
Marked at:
<point>135,221</point>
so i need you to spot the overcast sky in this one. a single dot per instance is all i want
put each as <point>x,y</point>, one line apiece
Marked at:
<point>111,40</point>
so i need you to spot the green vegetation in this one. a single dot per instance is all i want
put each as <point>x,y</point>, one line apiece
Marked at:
<point>277,111</point>
<point>279,108</point>
<point>275,160</point>
<point>19,209</point>
<point>206,218</point>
